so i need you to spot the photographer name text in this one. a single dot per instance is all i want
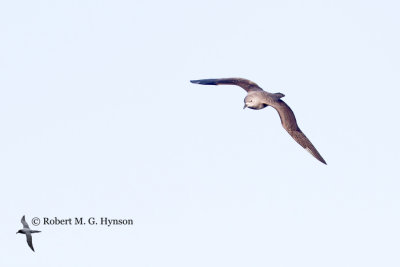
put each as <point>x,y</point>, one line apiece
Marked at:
<point>81,221</point>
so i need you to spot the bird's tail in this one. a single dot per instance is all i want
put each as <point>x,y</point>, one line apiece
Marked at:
<point>279,95</point>
<point>35,231</point>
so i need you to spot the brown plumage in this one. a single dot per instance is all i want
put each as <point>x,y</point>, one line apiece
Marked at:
<point>257,98</point>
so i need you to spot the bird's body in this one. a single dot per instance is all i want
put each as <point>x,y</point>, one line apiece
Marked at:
<point>260,99</point>
<point>28,232</point>
<point>257,98</point>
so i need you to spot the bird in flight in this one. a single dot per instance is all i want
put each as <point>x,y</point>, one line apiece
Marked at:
<point>28,232</point>
<point>257,98</point>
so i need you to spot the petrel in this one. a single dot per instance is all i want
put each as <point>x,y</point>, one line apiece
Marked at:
<point>257,98</point>
<point>28,232</point>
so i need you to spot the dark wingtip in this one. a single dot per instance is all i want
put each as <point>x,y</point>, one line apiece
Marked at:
<point>315,153</point>
<point>321,159</point>
<point>205,81</point>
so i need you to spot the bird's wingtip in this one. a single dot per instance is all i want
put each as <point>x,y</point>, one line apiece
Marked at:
<point>205,81</point>
<point>321,159</point>
<point>315,154</point>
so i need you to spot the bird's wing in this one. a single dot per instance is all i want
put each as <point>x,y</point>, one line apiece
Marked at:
<point>29,240</point>
<point>24,222</point>
<point>245,84</point>
<point>289,123</point>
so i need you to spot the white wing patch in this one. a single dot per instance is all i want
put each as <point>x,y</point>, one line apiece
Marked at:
<point>309,150</point>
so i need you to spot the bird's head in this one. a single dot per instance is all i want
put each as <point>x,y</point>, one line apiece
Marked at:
<point>251,101</point>
<point>20,232</point>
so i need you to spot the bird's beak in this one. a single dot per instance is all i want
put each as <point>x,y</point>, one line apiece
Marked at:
<point>16,232</point>
<point>245,106</point>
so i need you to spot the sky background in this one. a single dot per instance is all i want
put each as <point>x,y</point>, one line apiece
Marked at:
<point>99,119</point>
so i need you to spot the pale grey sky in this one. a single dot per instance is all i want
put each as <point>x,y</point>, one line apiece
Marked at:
<point>99,119</point>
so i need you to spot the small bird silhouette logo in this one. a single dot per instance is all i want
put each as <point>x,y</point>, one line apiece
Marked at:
<point>28,232</point>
